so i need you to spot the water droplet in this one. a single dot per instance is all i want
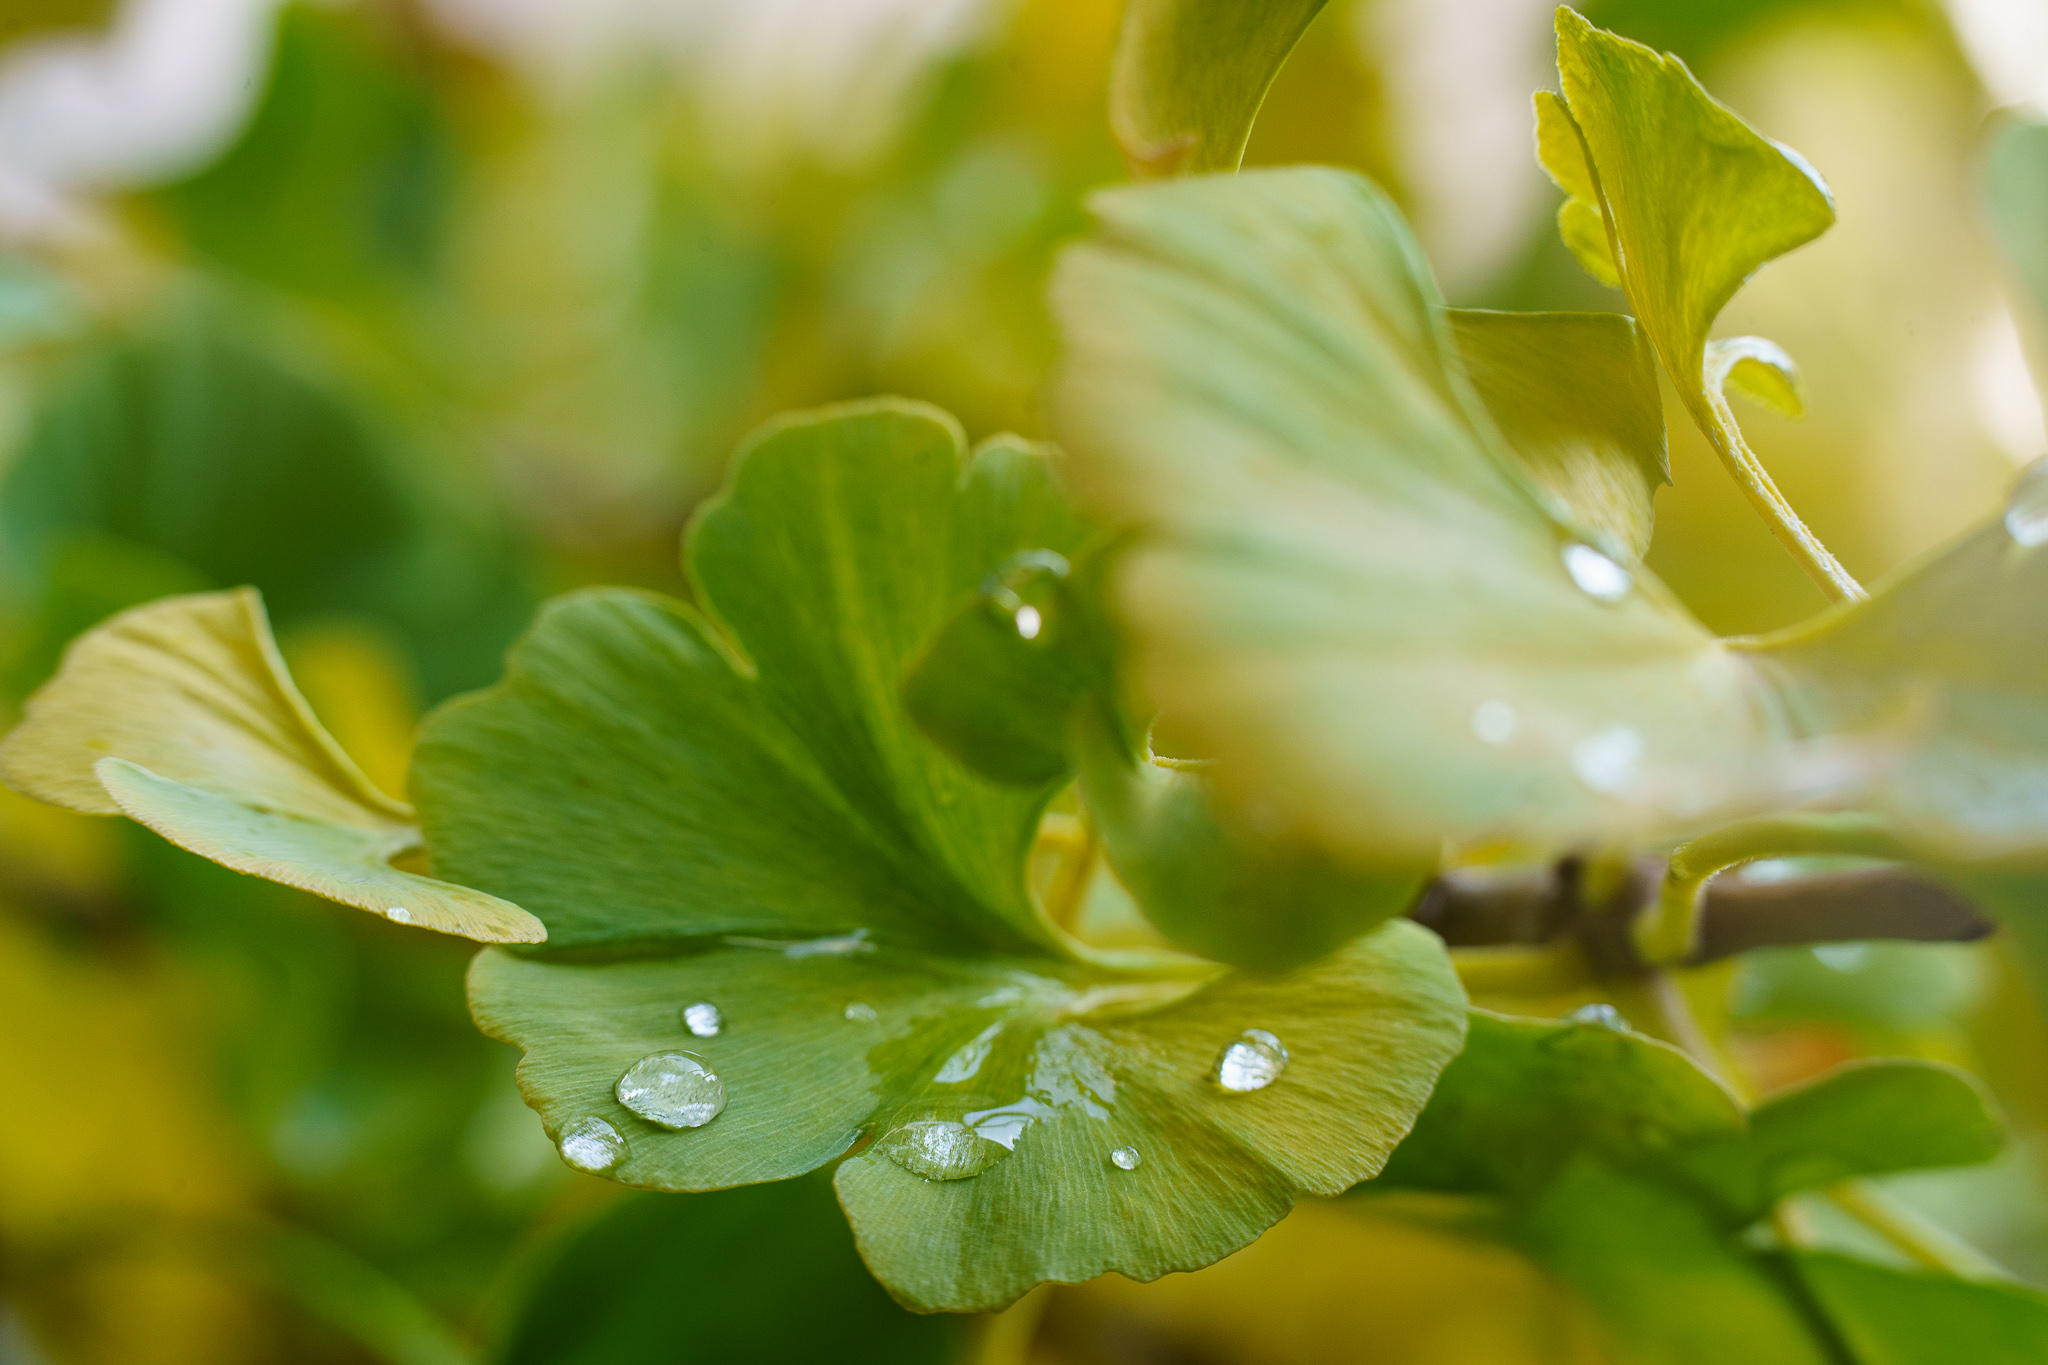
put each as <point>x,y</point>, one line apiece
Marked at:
<point>1006,1123</point>
<point>962,1065</point>
<point>1253,1062</point>
<point>940,1149</point>
<point>1127,1158</point>
<point>1842,957</point>
<point>2026,510</point>
<point>673,1089</point>
<point>1028,621</point>
<point>1597,576</point>
<point>1601,1015</point>
<point>1606,762</point>
<point>861,1012</point>
<point>1495,721</point>
<point>843,945</point>
<point>398,914</point>
<point>704,1019</point>
<point>591,1144</point>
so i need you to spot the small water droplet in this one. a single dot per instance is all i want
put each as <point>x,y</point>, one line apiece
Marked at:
<point>2026,510</point>
<point>591,1144</point>
<point>1842,957</point>
<point>1252,1062</point>
<point>1601,1015</point>
<point>704,1019</point>
<point>1029,621</point>
<point>1495,722</point>
<point>1597,576</point>
<point>1127,1158</point>
<point>963,1065</point>
<point>398,914</point>
<point>940,1149</point>
<point>861,1012</point>
<point>1606,762</point>
<point>673,1089</point>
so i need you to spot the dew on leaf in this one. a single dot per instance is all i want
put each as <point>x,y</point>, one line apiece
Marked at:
<point>673,1089</point>
<point>1606,762</point>
<point>1253,1061</point>
<point>591,1144</point>
<point>963,1065</point>
<point>398,914</point>
<point>1495,721</point>
<point>1029,621</point>
<point>704,1019</point>
<point>1842,957</point>
<point>839,945</point>
<point>1597,576</point>
<point>861,1012</point>
<point>941,1149</point>
<point>1126,1158</point>
<point>1600,1015</point>
<point>1005,1123</point>
<point>2026,511</point>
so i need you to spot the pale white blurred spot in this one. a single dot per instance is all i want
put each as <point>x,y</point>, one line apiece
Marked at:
<point>1494,721</point>
<point>2008,43</point>
<point>1459,75</point>
<point>1606,762</point>
<point>2002,386</point>
<point>829,77</point>
<point>159,94</point>
<point>1842,957</point>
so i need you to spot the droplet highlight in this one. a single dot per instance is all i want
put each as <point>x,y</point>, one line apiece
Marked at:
<point>591,1144</point>
<point>1606,762</point>
<point>704,1019</point>
<point>1842,957</point>
<point>1599,1015</point>
<point>861,1012</point>
<point>1598,576</point>
<point>1252,1062</point>
<point>398,914</point>
<point>940,1149</point>
<point>2026,510</point>
<point>1127,1158</point>
<point>1029,622</point>
<point>673,1089</point>
<point>1495,722</point>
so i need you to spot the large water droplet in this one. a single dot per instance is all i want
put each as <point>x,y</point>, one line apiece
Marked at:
<point>1028,621</point>
<point>1597,575</point>
<point>1600,1015</point>
<point>1495,722</point>
<point>1252,1062</point>
<point>2026,511</point>
<point>673,1089</point>
<point>704,1019</point>
<point>1606,762</point>
<point>940,1149</point>
<point>1127,1158</point>
<point>861,1012</point>
<point>591,1144</point>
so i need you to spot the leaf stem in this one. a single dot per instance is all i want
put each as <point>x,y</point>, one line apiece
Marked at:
<point>1668,930</point>
<point>1913,1236</point>
<point>1719,425</point>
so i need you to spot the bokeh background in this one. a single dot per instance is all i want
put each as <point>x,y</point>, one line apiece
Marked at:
<point>414,312</point>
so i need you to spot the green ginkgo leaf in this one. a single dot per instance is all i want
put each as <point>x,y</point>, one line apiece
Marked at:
<point>1190,76</point>
<point>786,928</point>
<point>1890,1316</point>
<point>1624,1169</point>
<point>1688,201</point>
<point>1347,588</point>
<point>1575,395</point>
<point>180,715</point>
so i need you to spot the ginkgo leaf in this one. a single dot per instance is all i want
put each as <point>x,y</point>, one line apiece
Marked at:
<point>730,809</point>
<point>180,715</point>
<point>1891,1316</point>
<point>1345,587</point>
<point>2016,184</point>
<point>1760,371</point>
<point>1190,76</point>
<point>1575,395</point>
<point>1692,201</point>
<point>1580,221</point>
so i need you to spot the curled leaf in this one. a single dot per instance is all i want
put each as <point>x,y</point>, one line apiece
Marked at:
<point>1759,370</point>
<point>180,715</point>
